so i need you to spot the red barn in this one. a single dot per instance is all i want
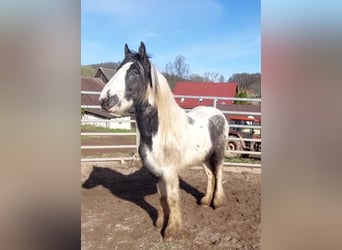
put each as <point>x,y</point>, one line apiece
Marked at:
<point>203,89</point>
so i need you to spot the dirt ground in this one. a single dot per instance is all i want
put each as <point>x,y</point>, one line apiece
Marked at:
<point>119,204</point>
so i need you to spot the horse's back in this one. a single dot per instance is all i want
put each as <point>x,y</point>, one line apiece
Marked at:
<point>206,124</point>
<point>204,113</point>
<point>211,118</point>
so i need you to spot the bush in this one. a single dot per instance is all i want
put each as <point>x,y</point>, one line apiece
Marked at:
<point>241,94</point>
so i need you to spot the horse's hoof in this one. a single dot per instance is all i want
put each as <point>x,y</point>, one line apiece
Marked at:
<point>218,202</point>
<point>172,232</point>
<point>168,234</point>
<point>167,238</point>
<point>205,202</point>
<point>204,205</point>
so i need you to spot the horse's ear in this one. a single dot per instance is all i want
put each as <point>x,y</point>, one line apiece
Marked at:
<point>127,51</point>
<point>142,51</point>
<point>144,59</point>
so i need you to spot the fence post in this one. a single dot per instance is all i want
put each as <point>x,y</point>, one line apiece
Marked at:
<point>215,101</point>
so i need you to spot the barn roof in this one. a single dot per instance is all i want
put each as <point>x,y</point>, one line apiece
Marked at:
<point>100,113</point>
<point>203,89</point>
<point>93,84</point>
<point>106,72</point>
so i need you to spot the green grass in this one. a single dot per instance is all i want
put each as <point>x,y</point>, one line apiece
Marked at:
<point>242,160</point>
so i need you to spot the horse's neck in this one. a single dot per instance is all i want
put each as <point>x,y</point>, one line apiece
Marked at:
<point>159,113</point>
<point>147,121</point>
<point>171,117</point>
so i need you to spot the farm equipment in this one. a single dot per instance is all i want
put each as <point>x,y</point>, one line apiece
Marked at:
<point>246,131</point>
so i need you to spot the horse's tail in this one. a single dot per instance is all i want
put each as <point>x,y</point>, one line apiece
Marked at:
<point>227,152</point>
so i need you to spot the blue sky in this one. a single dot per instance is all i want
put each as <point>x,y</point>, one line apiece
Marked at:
<point>220,36</point>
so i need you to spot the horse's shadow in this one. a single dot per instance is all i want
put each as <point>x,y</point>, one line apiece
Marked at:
<point>133,187</point>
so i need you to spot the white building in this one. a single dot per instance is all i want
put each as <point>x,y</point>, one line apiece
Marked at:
<point>95,118</point>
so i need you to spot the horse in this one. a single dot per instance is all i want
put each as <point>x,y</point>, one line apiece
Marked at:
<point>170,138</point>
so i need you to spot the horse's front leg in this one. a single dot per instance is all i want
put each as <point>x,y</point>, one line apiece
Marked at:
<point>163,204</point>
<point>168,187</point>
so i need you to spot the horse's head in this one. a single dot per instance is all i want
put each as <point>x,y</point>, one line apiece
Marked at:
<point>129,84</point>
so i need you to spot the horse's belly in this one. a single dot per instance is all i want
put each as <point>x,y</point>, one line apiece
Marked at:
<point>199,142</point>
<point>197,147</point>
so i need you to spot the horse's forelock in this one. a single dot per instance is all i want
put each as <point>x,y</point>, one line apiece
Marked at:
<point>142,62</point>
<point>133,57</point>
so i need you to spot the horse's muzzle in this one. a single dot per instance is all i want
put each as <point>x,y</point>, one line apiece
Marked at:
<point>109,102</point>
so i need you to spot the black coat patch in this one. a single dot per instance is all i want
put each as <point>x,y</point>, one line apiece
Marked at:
<point>147,120</point>
<point>217,136</point>
<point>135,82</point>
<point>216,126</point>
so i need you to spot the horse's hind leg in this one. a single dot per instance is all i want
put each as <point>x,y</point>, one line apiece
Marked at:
<point>206,200</point>
<point>219,197</point>
<point>216,162</point>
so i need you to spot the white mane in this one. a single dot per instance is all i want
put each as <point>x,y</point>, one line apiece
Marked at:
<point>172,119</point>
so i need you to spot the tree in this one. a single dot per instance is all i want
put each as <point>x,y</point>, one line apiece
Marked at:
<point>177,70</point>
<point>221,78</point>
<point>246,81</point>
<point>207,77</point>
<point>196,78</point>
<point>210,76</point>
<point>181,68</point>
<point>108,65</point>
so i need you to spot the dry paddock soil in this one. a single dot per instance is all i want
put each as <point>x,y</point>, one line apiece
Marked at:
<point>119,204</point>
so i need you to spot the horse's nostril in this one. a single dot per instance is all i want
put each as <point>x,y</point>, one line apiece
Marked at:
<point>104,103</point>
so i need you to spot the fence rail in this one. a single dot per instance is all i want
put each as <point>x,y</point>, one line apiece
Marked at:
<point>108,146</point>
<point>219,98</point>
<point>104,121</point>
<point>242,164</point>
<point>107,133</point>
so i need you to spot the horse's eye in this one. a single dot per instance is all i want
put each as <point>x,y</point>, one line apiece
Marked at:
<point>134,73</point>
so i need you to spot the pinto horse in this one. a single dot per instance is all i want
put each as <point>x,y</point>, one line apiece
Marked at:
<point>170,139</point>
